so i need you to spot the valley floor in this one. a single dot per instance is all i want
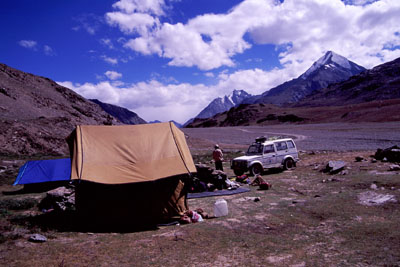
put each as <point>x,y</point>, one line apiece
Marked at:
<point>307,218</point>
<point>325,136</point>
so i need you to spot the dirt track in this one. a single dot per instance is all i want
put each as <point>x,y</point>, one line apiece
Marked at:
<point>330,136</point>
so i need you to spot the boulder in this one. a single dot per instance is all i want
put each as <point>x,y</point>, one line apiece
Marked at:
<point>335,166</point>
<point>37,238</point>
<point>360,158</point>
<point>394,167</point>
<point>61,199</point>
<point>392,154</point>
<point>204,172</point>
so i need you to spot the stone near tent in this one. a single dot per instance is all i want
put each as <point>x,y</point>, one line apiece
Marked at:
<point>360,159</point>
<point>60,192</point>
<point>394,167</point>
<point>219,173</point>
<point>60,199</point>
<point>218,178</point>
<point>391,154</point>
<point>203,172</point>
<point>335,166</point>
<point>37,238</point>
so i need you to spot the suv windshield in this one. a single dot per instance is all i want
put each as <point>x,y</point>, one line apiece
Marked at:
<point>255,149</point>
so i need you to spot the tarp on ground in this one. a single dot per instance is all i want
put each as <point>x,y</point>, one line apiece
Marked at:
<point>41,171</point>
<point>128,153</point>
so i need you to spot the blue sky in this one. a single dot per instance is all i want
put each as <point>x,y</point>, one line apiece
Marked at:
<point>166,60</point>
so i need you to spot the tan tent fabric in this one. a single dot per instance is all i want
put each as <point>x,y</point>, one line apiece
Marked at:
<point>129,153</point>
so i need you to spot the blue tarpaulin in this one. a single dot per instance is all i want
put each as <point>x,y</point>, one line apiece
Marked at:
<point>40,171</point>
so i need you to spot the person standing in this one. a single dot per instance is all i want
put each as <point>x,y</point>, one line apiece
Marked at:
<point>218,158</point>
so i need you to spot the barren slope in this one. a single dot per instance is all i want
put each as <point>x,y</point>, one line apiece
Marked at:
<point>37,114</point>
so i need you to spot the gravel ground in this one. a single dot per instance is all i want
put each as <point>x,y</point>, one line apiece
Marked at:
<point>329,136</point>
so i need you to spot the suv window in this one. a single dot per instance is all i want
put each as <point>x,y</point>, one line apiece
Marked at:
<point>281,146</point>
<point>268,149</point>
<point>255,149</point>
<point>290,144</point>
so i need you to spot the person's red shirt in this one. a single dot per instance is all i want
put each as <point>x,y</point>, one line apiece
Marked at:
<point>217,155</point>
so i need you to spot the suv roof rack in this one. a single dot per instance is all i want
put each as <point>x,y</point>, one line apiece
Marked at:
<point>261,139</point>
<point>272,138</point>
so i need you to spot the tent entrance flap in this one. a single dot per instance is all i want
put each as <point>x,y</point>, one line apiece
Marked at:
<point>131,204</point>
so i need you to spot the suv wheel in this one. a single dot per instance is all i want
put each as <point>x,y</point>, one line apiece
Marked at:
<point>256,169</point>
<point>238,172</point>
<point>289,164</point>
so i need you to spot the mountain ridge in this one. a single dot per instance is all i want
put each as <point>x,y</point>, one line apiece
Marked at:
<point>379,83</point>
<point>37,114</point>
<point>328,69</point>
<point>221,104</point>
<point>372,95</point>
<point>122,114</point>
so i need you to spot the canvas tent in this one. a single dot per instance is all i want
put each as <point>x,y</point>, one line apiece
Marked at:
<point>42,171</point>
<point>130,172</point>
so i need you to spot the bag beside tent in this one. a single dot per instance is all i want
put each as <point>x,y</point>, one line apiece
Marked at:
<point>130,173</point>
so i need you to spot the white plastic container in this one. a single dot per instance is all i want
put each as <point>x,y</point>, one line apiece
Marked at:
<point>220,208</point>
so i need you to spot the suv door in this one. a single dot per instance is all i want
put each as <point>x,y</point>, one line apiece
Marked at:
<point>281,150</point>
<point>292,150</point>
<point>269,156</point>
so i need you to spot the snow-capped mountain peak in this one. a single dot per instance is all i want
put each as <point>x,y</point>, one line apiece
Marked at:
<point>331,60</point>
<point>330,68</point>
<point>221,104</point>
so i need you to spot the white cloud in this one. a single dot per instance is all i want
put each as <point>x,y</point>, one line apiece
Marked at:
<point>151,100</point>
<point>110,60</point>
<point>88,22</point>
<point>107,42</point>
<point>136,16</point>
<point>28,44</point>
<point>48,51</point>
<point>131,23</point>
<point>165,101</point>
<point>113,75</point>
<point>141,6</point>
<point>254,81</point>
<point>209,74</point>
<point>304,30</point>
<point>359,2</point>
<point>358,31</point>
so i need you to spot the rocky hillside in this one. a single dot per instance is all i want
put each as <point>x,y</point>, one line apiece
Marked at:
<point>379,83</point>
<point>268,114</point>
<point>329,69</point>
<point>122,114</point>
<point>37,114</point>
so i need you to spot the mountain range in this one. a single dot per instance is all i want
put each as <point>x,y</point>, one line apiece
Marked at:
<point>379,83</point>
<point>372,95</point>
<point>37,114</point>
<point>221,104</point>
<point>330,68</point>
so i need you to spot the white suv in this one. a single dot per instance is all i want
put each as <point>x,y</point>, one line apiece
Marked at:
<point>265,154</point>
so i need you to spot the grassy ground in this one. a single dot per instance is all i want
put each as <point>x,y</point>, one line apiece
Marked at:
<point>307,218</point>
